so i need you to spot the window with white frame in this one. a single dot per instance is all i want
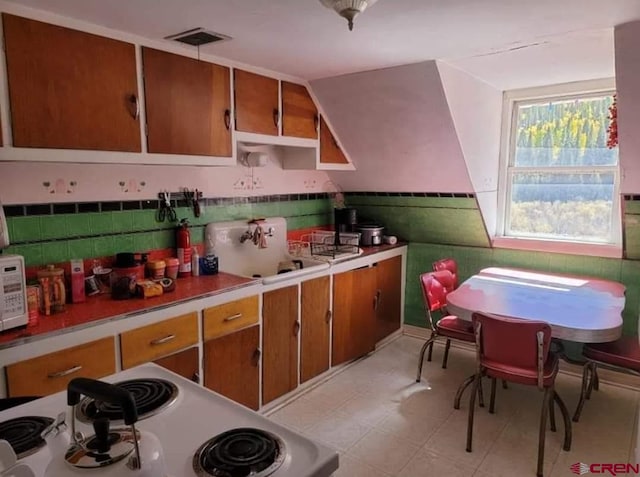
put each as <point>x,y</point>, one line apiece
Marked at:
<point>561,180</point>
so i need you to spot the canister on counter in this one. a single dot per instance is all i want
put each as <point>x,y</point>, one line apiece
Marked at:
<point>156,269</point>
<point>33,305</point>
<point>172,267</point>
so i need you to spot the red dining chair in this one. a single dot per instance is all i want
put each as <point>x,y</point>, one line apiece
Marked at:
<point>518,351</point>
<point>447,264</point>
<point>622,355</point>
<point>435,286</point>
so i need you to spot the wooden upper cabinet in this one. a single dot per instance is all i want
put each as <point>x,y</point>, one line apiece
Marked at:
<point>257,103</point>
<point>188,104</point>
<point>330,152</point>
<point>299,112</point>
<point>69,89</point>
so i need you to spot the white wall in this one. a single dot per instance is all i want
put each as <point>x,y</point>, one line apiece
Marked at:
<point>26,183</point>
<point>627,38</point>
<point>476,109</point>
<point>396,126</point>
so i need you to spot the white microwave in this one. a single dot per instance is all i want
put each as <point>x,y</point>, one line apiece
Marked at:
<point>13,292</point>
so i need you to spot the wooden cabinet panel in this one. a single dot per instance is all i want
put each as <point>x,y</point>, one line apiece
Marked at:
<point>280,329</point>
<point>184,363</point>
<point>232,316</point>
<point>330,152</point>
<point>159,339</point>
<point>315,328</point>
<point>389,314</point>
<point>52,372</point>
<point>354,318</point>
<point>231,366</point>
<point>69,89</point>
<point>188,104</point>
<point>299,113</point>
<point>256,100</point>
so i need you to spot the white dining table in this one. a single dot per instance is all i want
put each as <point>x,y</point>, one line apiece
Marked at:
<point>582,309</point>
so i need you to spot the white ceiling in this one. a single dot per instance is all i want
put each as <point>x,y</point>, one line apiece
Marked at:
<point>304,39</point>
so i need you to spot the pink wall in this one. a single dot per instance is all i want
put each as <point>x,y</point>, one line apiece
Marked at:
<point>627,40</point>
<point>396,126</point>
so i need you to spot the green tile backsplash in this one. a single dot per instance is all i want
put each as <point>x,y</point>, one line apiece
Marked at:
<point>58,237</point>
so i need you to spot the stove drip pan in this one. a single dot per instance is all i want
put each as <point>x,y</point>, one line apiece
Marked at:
<point>23,434</point>
<point>240,452</point>
<point>150,395</point>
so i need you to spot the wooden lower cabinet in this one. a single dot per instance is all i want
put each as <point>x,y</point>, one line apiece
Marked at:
<point>315,328</point>
<point>231,366</point>
<point>184,363</point>
<point>389,289</point>
<point>354,316</point>
<point>280,329</point>
<point>50,373</point>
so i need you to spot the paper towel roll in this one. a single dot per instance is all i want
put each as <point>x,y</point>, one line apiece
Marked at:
<point>390,239</point>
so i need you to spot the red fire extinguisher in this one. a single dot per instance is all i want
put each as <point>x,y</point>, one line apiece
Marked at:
<point>183,244</point>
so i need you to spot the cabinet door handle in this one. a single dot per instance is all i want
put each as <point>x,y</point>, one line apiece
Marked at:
<point>376,300</point>
<point>135,104</point>
<point>196,377</point>
<point>233,317</point>
<point>296,328</point>
<point>256,357</point>
<point>66,372</point>
<point>227,119</point>
<point>164,340</point>
<point>328,316</point>
<point>276,116</point>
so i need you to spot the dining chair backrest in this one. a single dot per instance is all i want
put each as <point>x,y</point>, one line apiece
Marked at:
<point>447,264</point>
<point>435,286</point>
<point>520,345</point>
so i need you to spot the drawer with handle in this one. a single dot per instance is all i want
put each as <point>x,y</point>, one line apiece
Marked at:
<point>50,373</point>
<point>159,339</point>
<point>223,319</point>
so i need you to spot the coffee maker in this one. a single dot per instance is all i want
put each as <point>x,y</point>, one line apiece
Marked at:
<point>345,220</point>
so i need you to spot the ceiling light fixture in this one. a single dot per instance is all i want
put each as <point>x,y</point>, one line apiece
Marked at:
<point>348,9</point>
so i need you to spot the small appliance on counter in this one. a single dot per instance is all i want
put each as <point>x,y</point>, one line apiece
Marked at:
<point>345,219</point>
<point>53,291</point>
<point>370,234</point>
<point>13,292</point>
<point>128,269</point>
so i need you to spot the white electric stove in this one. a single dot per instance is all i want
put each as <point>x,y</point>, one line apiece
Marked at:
<point>189,418</point>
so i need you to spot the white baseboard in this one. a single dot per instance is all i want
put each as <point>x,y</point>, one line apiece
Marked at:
<point>624,380</point>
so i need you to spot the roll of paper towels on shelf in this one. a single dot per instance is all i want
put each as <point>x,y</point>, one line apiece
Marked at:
<point>257,159</point>
<point>390,239</point>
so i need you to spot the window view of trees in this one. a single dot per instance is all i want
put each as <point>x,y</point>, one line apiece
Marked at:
<point>562,175</point>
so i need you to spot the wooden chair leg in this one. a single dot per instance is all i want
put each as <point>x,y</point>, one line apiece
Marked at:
<point>492,402</point>
<point>445,358</point>
<point>586,369</point>
<point>567,422</point>
<point>548,393</point>
<point>427,343</point>
<point>472,405</point>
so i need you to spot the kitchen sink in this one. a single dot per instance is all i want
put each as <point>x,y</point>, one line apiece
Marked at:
<point>243,257</point>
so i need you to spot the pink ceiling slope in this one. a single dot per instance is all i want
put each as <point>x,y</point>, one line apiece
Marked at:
<point>396,126</point>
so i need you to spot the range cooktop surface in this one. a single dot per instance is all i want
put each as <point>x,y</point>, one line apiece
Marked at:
<point>191,421</point>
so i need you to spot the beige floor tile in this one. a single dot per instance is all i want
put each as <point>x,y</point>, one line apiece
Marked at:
<point>338,430</point>
<point>366,409</point>
<point>351,467</point>
<point>410,428</point>
<point>429,463</point>
<point>299,415</point>
<point>384,451</point>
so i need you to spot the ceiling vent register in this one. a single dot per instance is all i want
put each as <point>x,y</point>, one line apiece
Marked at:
<point>198,37</point>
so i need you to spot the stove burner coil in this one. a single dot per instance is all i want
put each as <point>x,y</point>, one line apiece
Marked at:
<point>240,453</point>
<point>23,434</point>
<point>150,395</point>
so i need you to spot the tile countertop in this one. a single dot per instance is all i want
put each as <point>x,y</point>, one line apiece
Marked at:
<point>103,308</point>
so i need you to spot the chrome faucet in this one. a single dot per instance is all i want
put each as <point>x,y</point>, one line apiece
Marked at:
<point>247,235</point>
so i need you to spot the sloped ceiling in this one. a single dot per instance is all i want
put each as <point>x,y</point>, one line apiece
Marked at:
<point>396,126</point>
